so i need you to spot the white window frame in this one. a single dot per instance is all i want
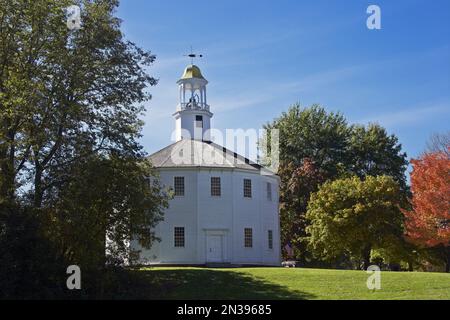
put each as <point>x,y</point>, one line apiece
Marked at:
<point>248,238</point>
<point>248,188</point>
<point>270,239</point>
<point>216,187</point>
<point>179,237</point>
<point>269,191</point>
<point>183,186</point>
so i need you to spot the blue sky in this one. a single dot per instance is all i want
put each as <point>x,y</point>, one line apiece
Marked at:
<point>262,56</point>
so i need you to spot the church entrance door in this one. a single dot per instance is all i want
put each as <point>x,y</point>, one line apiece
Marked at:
<point>214,248</point>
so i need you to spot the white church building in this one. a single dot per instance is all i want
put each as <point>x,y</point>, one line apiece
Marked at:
<point>225,207</point>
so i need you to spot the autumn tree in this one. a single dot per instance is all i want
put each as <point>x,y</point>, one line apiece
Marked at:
<point>296,190</point>
<point>428,223</point>
<point>352,217</point>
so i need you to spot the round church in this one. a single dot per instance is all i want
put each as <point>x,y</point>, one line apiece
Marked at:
<point>224,208</point>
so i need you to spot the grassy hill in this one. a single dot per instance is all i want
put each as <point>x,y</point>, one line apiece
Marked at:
<point>284,283</point>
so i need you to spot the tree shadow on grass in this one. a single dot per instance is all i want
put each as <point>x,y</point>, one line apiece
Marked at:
<point>207,284</point>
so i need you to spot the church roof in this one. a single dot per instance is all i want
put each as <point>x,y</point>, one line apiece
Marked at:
<point>192,71</point>
<point>196,153</point>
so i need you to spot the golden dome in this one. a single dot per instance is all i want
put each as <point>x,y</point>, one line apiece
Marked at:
<point>192,71</point>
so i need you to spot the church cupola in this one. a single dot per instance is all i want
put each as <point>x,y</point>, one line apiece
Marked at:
<point>192,118</point>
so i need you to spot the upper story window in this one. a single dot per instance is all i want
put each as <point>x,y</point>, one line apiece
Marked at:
<point>215,187</point>
<point>178,237</point>
<point>247,188</point>
<point>269,191</point>
<point>270,238</point>
<point>199,121</point>
<point>248,237</point>
<point>178,184</point>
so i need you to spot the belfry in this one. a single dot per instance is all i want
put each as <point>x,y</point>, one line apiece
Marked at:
<point>192,117</point>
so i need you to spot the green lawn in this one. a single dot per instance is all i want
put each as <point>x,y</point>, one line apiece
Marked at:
<point>290,283</point>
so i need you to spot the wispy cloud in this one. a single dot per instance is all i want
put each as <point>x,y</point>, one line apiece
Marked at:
<point>225,104</point>
<point>270,92</point>
<point>317,80</point>
<point>407,117</point>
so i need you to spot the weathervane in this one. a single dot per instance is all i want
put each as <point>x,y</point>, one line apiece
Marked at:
<point>193,55</point>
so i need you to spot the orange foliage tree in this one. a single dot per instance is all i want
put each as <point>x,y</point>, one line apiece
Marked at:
<point>428,223</point>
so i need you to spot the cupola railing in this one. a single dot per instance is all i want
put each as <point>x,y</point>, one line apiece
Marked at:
<point>193,106</point>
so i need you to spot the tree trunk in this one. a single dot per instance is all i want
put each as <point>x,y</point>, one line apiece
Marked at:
<point>7,153</point>
<point>38,188</point>
<point>447,265</point>
<point>410,266</point>
<point>366,256</point>
<point>7,181</point>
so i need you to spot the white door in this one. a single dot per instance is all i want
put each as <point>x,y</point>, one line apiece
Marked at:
<point>214,248</point>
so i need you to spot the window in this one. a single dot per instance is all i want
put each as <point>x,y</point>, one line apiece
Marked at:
<point>179,186</point>
<point>270,238</point>
<point>248,237</point>
<point>178,237</point>
<point>215,187</point>
<point>199,121</point>
<point>269,191</point>
<point>247,188</point>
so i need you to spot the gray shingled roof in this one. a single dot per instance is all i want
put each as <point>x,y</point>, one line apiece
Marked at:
<point>195,153</point>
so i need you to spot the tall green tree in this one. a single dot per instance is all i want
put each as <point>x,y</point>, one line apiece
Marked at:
<point>65,94</point>
<point>70,107</point>
<point>317,146</point>
<point>108,202</point>
<point>312,149</point>
<point>314,134</point>
<point>372,152</point>
<point>352,217</point>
